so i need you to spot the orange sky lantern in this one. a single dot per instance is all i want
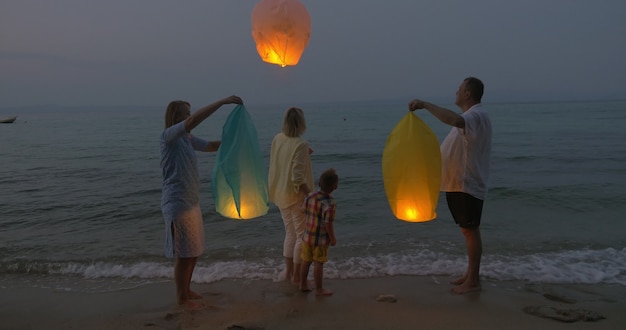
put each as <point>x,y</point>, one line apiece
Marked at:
<point>281,30</point>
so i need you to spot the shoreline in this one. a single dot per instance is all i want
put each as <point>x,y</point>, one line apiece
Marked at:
<point>423,302</point>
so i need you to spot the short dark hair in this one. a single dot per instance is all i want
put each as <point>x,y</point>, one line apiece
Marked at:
<point>328,180</point>
<point>475,87</point>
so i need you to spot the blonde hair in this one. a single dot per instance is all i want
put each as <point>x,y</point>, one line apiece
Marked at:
<point>173,109</point>
<point>294,124</point>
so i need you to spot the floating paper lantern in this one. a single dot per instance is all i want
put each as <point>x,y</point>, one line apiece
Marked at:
<point>411,167</point>
<point>281,30</point>
<point>239,178</point>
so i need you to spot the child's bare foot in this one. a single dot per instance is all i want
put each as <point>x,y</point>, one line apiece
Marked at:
<point>306,286</point>
<point>323,292</point>
<point>193,295</point>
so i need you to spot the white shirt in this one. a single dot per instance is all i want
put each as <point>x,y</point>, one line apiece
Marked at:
<point>466,155</point>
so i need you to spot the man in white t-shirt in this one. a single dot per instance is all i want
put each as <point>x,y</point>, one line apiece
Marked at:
<point>466,158</point>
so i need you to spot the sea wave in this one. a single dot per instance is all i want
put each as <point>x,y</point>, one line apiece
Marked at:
<point>586,266</point>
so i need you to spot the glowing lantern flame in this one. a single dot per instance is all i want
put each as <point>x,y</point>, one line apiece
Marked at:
<point>281,30</point>
<point>247,206</point>
<point>411,168</point>
<point>411,213</point>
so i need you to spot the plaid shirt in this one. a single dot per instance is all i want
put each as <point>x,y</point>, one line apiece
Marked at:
<point>319,208</point>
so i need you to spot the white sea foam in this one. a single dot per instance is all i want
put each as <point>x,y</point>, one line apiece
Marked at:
<point>573,266</point>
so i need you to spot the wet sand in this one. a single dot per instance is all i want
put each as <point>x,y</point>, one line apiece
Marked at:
<point>394,302</point>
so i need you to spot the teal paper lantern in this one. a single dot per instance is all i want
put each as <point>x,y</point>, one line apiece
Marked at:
<point>239,178</point>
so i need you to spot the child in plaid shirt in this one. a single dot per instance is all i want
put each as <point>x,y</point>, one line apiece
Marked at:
<point>319,209</point>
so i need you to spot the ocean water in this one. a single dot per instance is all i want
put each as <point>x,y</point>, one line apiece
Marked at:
<point>80,190</point>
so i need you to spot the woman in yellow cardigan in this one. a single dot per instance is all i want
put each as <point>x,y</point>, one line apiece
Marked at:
<point>290,181</point>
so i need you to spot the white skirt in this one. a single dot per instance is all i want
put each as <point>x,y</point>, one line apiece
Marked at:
<point>184,235</point>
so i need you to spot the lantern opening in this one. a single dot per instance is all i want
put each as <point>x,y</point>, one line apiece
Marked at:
<point>413,210</point>
<point>246,210</point>
<point>411,213</point>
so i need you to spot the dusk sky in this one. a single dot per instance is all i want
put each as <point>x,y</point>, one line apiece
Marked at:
<point>87,52</point>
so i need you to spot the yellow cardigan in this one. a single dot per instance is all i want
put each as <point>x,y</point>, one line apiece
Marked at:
<point>290,167</point>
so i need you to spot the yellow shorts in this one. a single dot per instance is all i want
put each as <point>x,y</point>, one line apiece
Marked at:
<point>314,253</point>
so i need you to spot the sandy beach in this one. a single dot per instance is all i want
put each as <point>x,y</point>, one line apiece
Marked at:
<point>420,302</point>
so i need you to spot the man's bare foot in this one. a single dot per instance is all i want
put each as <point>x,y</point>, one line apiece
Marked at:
<point>458,281</point>
<point>466,288</point>
<point>191,305</point>
<point>323,292</point>
<point>193,295</point>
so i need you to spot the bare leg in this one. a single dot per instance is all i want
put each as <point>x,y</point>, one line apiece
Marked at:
<point>304,274</point>
<point>318,274</point>
<point>183,269</point>
<point>192,294</point>
<point>474,245</point>
<point>296,273</point>
<point>288,268</point>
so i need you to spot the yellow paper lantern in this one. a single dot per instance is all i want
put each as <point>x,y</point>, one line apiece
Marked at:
<point>411,167</point>
<point>281,30</point>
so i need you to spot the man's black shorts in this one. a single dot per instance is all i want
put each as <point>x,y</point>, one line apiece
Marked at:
<point>465,208</point>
